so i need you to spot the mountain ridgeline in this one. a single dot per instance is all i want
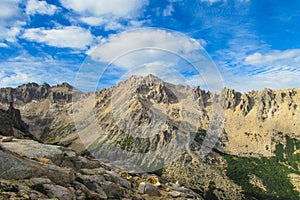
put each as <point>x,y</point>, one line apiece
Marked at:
<point>147,116</point>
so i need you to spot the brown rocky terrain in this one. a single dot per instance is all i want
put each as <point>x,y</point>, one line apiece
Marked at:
<point>31,170</point>
<point>145,115</point>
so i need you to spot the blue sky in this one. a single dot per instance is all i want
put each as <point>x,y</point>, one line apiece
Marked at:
<point>253,43</point>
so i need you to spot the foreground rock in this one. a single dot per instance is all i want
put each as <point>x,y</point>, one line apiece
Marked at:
<point>31,170</point>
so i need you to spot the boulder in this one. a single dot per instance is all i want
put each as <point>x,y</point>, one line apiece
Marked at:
<point>116,178</point>
<point>56,191</point>
<point>148,188</point>
<point>113,190</point>
<point>96,171</point>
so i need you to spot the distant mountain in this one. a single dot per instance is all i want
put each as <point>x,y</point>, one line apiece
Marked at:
<point>148,116</point>
<point>32,92</point>
<point>11,124</point>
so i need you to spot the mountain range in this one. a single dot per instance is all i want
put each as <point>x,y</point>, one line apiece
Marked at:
<point>220,145</point>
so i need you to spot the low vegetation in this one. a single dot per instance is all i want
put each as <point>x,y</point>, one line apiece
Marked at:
<point>272,171</point>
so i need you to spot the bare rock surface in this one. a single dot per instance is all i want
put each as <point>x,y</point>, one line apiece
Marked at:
<point>32,170</point>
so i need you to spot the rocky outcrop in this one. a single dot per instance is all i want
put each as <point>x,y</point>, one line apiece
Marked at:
<point>231,98</point>
<point>31,170</point>
<point>11,123</point>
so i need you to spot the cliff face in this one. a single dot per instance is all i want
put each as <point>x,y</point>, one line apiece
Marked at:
<point>11,123</point>
<point>149,116</point>
<point>33,92</point>
<point>255,119</point>
<point>41,106</point>
<point>265,112</point>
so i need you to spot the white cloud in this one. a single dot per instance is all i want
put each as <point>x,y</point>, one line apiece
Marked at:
<point>69,36</point>
<point>168,11</point>
<point>271,79</point>
<point>274,58</point>
<point>40,7</point>
<point>119,44</point>
<point>115,8</point>
<point>9,9</point>
<point>10,20</point>
<point>93,21</point>
<point>26,68</point>
<point>274,69</point>
<point>113,25</point>
<point>16,78</point>
<point>212,1</point>
<point>3,45</point>
<point>111,15</point>
<point>225,1</point>
<point>169,55</point>
<point>10,34</point>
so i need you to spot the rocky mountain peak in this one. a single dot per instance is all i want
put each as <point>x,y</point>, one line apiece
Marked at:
<point>65,85</point>
<point>148,80</point>
<point>32,92</point>
<point>232,98</point>
<point>157,111</point>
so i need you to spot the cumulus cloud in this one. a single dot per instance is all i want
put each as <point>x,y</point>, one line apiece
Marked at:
<point>64,37</point>
<point>10,33</point>
<point>113,25</point>
<point>116,8</point>
<point>121,43</point>
<point>93,21</point>
<point>40,7</point>
<point>10,20</point>
<point>108,14</point>
<point>9,9</point>
<point>275,58</point>
<point>169,55</point>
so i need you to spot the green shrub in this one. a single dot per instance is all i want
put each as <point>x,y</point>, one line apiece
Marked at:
<point>272,171</point>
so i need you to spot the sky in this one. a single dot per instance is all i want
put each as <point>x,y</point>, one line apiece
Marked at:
<point>240,44</point>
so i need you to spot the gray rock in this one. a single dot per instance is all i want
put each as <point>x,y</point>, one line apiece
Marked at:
<point>58,175</point>
<point>16,188</point>
<point>87,179</point>
<point>32,149</point>
<point>185,192</point>
<point>148,188</point>
<point>12,167</point>
<point>96,171</point>
<point>7,139</point>
<point>37,181</point>
<point>174,194</point>
<point>116,178</point>
<point>113,190</point>
<point>83,191</point>
<point>57,191</point>
<point>96,188</point>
